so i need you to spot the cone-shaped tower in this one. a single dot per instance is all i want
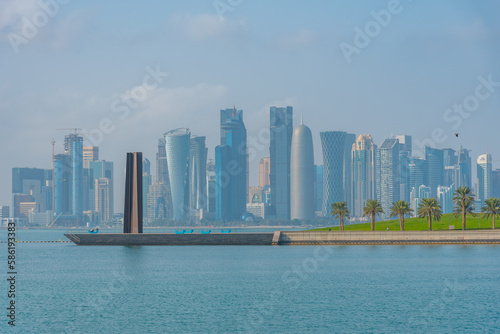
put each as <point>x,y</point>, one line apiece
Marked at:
<point>302,174</point>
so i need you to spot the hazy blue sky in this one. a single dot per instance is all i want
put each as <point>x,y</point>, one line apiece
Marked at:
<point>84,62</point>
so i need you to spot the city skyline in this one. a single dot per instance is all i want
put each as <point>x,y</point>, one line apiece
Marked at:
<point>376,93</point>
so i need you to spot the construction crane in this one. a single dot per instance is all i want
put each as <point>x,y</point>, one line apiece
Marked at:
<point>54,220</point>
<point>53,179</point>
<point>72,129</point>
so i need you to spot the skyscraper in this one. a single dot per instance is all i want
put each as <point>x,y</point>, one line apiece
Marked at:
<point>389,173</point>
<point>77,176</point>
<point>231,167</point>
<point>281,128</point>
<point>104,199</point>
<point>302,174</point>
<point>333,145</point>
<point>405,152</point>
<point>177,144</point>
<point>197,174</point>
<point>146,182</point>
<point>264,170</point>
<point>495,177</point>
<point>318,190</point>
<point>102,181</point>
<point>350,139</point>
<point>161,163</point>
<point>62,184</point>
<point>445,197</point>
<point>159,195</point>
<point>35,182</point>
<point>463,173</point>
<point>435,169</point>
<point>363,173</point>
<point>418,173</point>
<point>484,177</point>
<point>405,143</point>
<point>449,157</point>
<point>222,180</point>
<point>90,153</point>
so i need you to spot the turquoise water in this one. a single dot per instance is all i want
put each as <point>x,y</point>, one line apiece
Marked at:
<point>258,289</point>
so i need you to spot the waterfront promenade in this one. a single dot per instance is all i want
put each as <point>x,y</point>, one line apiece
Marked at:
<point>292,238</point>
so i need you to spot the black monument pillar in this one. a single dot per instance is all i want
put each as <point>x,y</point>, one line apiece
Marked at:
<point>132,215</point>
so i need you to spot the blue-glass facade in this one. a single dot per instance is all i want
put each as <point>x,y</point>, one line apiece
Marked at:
<point>77,163</point>
<point>333,147</point>
<point>318,188</point>
<point>435,169</point>
<point>463,173</point>
<point>418,173</point>
<point>177,150</point>
<point>222,195</point>
<point>231,167</point>
<point>389,174</point>
<point>281,129</point>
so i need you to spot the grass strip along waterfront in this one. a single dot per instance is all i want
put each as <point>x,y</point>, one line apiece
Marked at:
<point>419,224</point>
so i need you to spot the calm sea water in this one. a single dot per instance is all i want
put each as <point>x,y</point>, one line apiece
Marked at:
<point>261,289</point>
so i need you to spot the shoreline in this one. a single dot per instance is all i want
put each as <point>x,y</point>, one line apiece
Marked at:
<point>289,238</point>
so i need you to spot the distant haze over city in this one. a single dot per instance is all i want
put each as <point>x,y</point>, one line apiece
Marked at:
<point>426,69</point>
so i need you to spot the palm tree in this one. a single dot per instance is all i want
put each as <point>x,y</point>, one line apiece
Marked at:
<point>491,207</point>
<point>372,208</point>
<point>430,208</point>
<point>340,210</point>
<point>464,203</point>
<point>401,208</point>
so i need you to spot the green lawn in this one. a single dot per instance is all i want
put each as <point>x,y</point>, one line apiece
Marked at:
<point>421,224</point>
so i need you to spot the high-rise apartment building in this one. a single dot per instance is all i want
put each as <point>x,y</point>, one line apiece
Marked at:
<point>318,190</point>
<point>350,139</point>
<point>103,189</point>
<point>264,171</point>
<point>495,177</point>
<point>417,169</point>
<point>389,174</point>
<point>463,171</point>
<point>405,152</point>
<point>435,169</point>
<point>197,171</point>
<point>363,173</point>
<point>90,153</point>
<point>104,199</point>
<point>484,177</point>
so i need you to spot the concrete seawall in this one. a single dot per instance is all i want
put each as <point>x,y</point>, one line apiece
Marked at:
<point>388,237</point>
<point>291,238</point>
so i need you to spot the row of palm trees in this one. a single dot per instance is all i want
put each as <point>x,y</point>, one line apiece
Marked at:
<point>428,207</point>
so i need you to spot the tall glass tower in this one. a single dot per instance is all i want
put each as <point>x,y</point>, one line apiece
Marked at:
<point>418,173</point>
<point>177,151</point>
<point>231,161</point>
<point>197,171</point>
<point>484,177</point>
<point>389,173</point>
<point>281,129</point>
<point>435,169</point>
<point>463,173</point>
<point>363,173</point>
<point>77,177</point>
<point>332,145</point>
